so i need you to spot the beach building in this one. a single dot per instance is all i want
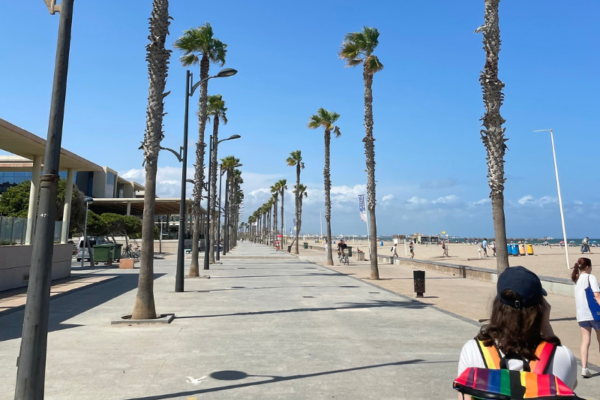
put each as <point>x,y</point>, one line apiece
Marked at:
<point>108,192</point>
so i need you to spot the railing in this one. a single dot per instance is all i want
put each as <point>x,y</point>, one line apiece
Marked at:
<point>13,230</point>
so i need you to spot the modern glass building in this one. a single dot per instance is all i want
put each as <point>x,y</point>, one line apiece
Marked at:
<point>9,179</point>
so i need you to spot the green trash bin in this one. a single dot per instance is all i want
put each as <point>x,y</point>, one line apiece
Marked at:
<point>117,249</point>
<point>306,245</point>
<point>103,253</point>
<point>349,251</point>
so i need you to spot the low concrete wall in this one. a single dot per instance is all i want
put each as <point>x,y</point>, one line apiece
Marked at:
<point>552,285</point>
<point>168,246</point>
<point>15,262</point>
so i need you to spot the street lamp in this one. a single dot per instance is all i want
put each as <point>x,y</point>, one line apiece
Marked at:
<point>208,216</point>
<point>190,88</point>
<point>562,216</point>
<point>87,202</point>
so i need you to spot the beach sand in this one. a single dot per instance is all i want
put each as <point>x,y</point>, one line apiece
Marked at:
<point>546,261</point>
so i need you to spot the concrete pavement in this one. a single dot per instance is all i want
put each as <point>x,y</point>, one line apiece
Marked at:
<point>265,326</point>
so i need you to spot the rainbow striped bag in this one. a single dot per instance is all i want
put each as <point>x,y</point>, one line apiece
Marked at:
<point>497,382</point>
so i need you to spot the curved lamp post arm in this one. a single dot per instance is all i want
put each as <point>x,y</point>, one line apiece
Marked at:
<point>178,155</point>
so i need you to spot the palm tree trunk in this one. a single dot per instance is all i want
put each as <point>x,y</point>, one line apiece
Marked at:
<point>158,65</point>
<point>199,166</point>
<point>275,220</point>
<point>282,214</point>
<point>327,181</point>
<point>370,156</point>
<point>296,250</point>
<point>493,135</point>
<point>213,187</point>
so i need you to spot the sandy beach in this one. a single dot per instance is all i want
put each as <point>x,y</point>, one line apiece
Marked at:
<point>546,261</point>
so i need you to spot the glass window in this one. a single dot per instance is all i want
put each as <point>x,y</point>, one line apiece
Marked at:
<point>110,184</point>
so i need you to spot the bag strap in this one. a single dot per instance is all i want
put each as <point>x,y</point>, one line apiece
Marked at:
<point>491,355</point>
<point>545,353</point>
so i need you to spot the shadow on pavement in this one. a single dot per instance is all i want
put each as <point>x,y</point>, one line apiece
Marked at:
<point>67,305</point>
<point>377,304</point>
<point>238,375</point>
<point>277,276</point>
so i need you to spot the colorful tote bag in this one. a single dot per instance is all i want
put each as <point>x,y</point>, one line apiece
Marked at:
<point>498,383</point>
<point>592,303</point>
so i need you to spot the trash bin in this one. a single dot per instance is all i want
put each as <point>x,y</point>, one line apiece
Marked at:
<point>117,250</point>
<point>419,280</point>
<point>360,256</point>
<point>529,250</point>
<point>306,245</point>
<point>349,251</point>
<point>103,253</point>
<point>515,249</point>
<point>289,249</point>
<point>509,248</point>
<point>522,249</point>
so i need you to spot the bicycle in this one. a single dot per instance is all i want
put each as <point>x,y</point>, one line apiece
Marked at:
<point>128,252</point>
<point>343,257</point>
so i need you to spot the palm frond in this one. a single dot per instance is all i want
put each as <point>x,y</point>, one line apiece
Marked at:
<point>218,52</point>
<point>189,59</point>
<point>350,53</point>
<point>337,132</point>
<point>373,64</point>
<point>371,39</point>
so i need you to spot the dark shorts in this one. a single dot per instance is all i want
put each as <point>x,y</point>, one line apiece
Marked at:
<point>590,324</point>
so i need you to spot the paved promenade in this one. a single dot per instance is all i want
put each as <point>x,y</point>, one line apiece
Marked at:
<point>267,325</point>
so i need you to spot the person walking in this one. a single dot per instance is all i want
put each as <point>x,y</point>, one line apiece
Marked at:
<point>507,341</point>
<point>326,248</point>
<point>493,247</point>
<point>484,247</point>
<point>443,248</point>
<point>585,245</point>
<point>479,250</point>
<point>394,250</point>
<point>411,246</point>
<point>587,301</point>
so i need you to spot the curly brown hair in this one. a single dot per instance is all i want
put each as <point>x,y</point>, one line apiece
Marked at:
<point>515,330</point>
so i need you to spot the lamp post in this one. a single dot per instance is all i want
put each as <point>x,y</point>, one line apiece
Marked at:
<point>87,202</point>
<point>31,364</point>
<point>219,218</point>
<point>208,216</point>
<point>562,216</point>
<point>190,88</point>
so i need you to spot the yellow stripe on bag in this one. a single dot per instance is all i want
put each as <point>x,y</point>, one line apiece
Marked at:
<point>490,355</point>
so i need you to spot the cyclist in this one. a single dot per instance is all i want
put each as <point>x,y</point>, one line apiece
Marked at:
<point>341,247</point>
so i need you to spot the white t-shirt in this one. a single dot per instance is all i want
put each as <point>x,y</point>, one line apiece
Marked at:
<point>563,365</point>
<point>583,309</point>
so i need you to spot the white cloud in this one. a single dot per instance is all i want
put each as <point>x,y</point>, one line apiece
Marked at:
<point>387,198</point>
<point>446,199</point>
<point>416,200</point>
<point>542,201</point>
<point>481,202</point>
<point>578,202</point>
<point>168,180</point>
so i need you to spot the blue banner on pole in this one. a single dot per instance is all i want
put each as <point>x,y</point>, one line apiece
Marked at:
<point>362,208</point>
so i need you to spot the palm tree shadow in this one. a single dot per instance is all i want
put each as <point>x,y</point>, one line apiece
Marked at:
<point>412,304</point>
<point>238,375</point>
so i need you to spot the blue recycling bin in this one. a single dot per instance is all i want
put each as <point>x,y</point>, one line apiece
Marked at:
<point>515,249</point>
<point>509,249</point>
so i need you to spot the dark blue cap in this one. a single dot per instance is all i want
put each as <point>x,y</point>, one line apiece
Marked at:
<point>524,283</point>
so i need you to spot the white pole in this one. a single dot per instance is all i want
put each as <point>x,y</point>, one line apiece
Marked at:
<point>562,216</point>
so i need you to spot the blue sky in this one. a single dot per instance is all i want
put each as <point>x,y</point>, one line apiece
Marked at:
<point>431,170</point>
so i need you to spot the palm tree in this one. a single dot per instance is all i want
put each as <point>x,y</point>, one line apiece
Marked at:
<point>295,159</point>
<point>493,134</point>
<point>358,48</point>
<point>275,192</point>
<point>282,184</point>
<point>326,119</point>
<point>158,67</point>
<point>199,46</point>
<point>237,199</point>
<point>300,193</point>
<point>227,165</point>
<point>217,110</point>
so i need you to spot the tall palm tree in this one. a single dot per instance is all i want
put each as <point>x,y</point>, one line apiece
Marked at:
<point>217,110</point>
<point>493,134</point>
<point>295,159</point>
<point>282,183</point>
<point>158,67</point>
<point>275,189</point>
<point>236,201</point>
<point>199,46</point>
<point>227,165</point>
<point>300,191</point>
<point>357,49</point>
<point>326,119</point>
